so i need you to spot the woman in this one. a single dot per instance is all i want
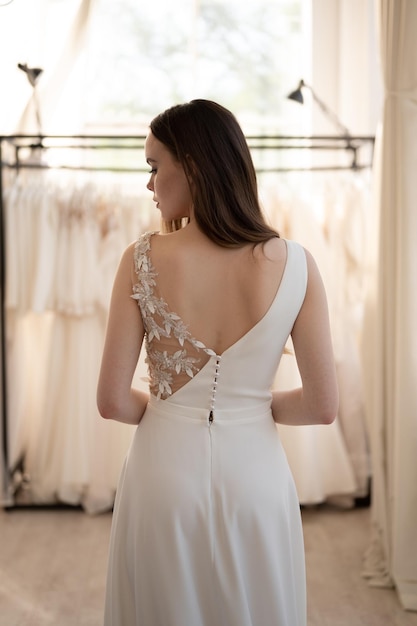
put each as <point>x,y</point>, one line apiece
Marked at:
<point>206,526</point>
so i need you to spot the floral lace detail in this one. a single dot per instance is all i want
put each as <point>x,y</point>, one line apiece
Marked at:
<point>159,322</point>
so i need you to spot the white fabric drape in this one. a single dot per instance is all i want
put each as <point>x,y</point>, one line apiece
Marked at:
<point>329,213</point>
<point>65,235</point>
<point>3,473</point>
<point>345,72</point>
<point>391,350</point>
<point>56,111</point>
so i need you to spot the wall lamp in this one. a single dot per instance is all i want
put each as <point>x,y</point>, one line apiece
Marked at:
<point>33,75</point>
<point>297,96</point>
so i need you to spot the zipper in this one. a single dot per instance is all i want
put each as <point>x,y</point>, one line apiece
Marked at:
<point>211,515</point>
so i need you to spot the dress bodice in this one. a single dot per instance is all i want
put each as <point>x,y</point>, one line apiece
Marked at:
<point>185,372</point>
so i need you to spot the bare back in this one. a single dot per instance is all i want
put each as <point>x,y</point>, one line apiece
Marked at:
<point>219,293</point>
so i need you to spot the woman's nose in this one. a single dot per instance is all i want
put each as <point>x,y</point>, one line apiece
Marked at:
<point>150,185</point>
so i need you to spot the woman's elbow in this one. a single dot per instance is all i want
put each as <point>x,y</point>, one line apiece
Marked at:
<point>327,412</point>
<point>105,411</point>
<point>108,407</point>
<point>324,410</point>
<point>326,417</point>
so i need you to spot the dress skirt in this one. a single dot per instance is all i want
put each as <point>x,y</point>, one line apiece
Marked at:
<point>206,526</point>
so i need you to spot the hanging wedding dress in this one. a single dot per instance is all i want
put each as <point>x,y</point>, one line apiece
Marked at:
<point>328,215</point>
<point>65,236</point>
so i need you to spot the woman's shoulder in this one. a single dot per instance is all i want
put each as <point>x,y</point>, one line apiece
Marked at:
<point>141,245</point>
<point>136,253</point>
<point>281,247</point>
<point>145,238</point>
<point>274,249</point>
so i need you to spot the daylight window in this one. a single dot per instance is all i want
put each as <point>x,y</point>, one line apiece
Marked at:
<point>143,57</point>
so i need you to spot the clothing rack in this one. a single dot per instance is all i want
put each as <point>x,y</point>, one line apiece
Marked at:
<point>16,145</point>
<point>352,145</point>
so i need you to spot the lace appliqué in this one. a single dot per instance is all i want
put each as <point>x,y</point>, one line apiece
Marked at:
<point>159,322</point>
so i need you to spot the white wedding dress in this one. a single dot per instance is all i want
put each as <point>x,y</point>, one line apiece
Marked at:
<point>206,526</point>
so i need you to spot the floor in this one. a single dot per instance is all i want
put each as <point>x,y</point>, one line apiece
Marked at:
<point>53,562</point>
<point>335,542</point>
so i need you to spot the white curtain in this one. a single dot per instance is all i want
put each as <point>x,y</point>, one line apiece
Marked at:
<point>3,473</point>
<point>59,105</point>
<point>345,71</point>
<point>391,355</point>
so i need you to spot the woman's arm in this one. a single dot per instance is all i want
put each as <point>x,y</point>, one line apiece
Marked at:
<point>317,401</point>
<point>116,399</point>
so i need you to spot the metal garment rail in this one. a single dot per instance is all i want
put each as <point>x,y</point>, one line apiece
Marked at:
<point>18,143</point>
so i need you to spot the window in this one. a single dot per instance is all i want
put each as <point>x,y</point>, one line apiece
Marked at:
<point>143,57</point>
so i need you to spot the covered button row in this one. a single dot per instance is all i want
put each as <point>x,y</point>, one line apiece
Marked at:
<point>214,387</point>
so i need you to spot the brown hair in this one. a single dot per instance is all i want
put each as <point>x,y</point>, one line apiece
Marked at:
<point>208,142</point>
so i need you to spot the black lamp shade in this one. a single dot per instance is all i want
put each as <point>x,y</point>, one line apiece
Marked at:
<point>297,96</point>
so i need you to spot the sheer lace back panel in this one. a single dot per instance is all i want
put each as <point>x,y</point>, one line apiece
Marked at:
<point>173,355</point>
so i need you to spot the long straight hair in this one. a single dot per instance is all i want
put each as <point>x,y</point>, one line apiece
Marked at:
<point>209,143</point>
